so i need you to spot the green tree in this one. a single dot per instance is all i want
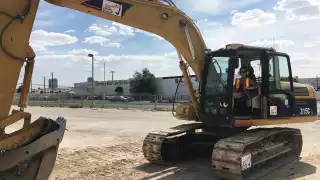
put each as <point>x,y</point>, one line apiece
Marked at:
<point>143,82</point>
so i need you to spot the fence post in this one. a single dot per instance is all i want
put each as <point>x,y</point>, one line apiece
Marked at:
<point>155,102</point>
<point>63,98</point>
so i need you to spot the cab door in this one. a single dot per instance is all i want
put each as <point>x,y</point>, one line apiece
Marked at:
<point>280,100</point>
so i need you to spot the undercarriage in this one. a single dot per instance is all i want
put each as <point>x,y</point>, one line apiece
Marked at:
<point>235,153</point>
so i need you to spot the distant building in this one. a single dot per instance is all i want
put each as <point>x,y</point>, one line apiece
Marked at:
<point>53,83</point>
<point>166,87</point>
<point>311,81</point>
<point>89,79</point>
<point>49,91</point>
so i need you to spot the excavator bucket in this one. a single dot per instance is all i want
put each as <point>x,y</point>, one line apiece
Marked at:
<point>34,160</point>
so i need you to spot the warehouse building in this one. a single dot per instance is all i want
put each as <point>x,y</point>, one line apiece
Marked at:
<point>166,87</point>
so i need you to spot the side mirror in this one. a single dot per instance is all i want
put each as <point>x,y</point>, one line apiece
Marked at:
<point>234,62</point>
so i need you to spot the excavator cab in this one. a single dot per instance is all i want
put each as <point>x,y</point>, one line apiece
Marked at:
<point>222,103</point>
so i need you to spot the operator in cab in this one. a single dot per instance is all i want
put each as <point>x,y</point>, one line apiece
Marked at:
<point>246,81</point>
<point>243,84</point>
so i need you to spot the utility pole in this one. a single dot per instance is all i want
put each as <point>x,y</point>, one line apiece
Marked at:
<point>44,84</point>
<point>91,55</point>
<point>112,72</point>
<point>52,81</point>
<point>317,79</point>
<point>104,79</point>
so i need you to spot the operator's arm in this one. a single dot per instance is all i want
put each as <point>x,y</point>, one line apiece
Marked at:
<point>150,16</point>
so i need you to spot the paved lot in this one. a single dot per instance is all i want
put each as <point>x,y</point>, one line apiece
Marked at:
<point>106,144</point>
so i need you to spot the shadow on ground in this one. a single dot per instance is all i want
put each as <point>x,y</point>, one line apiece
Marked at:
<point>201,169</point>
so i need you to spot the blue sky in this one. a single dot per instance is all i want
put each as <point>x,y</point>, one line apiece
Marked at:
<point>63,37</point>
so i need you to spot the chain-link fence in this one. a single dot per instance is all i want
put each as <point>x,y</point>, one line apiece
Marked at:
<point>136,101</point>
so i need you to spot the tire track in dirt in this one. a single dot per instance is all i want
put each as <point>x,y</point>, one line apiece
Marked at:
<point>125,161</point>
<point>108,162</point>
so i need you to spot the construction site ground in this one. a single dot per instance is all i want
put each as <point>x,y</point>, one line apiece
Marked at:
<point>106,144</point>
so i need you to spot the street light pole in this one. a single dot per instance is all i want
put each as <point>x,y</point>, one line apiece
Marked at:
<point>91,55</point>
<point>104,79</point>
<point>112,72</point>
<point>317,82</point>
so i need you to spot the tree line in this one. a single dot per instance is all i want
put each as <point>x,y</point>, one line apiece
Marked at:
<point>295,79</point>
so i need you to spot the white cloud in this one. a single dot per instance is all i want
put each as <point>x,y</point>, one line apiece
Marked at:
<point>125,65</point>
<point>83,52</point>
<point>277,44</point>
<point>44,13</point>
<point>101,41</point>
<point>41,39</point>
<point>254,17</point>
<point>139,58</point>
<point>299,9</point>
<point>298,39</point>
<point>113,44</point>
<point>311,44</point>
<point>43,23</point>
<point>216,6</point>
<point>114,29</point>
<point>71,57</point>
<point>150,34</point>
<point>80,55</point>
<point>102,30</point>
<point>124,29</point>
<point>96,40</point>
<point>69,31</point>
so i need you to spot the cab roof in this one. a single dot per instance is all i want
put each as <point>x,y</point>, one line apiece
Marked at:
<point>241,47</point>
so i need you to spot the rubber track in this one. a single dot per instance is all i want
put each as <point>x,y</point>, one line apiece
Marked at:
<point>154,141</point>
<point>227,153</point>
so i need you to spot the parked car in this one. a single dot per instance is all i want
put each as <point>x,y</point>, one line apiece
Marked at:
<point>118,98</point>
<point>94,98</point>
<point>129,98</point>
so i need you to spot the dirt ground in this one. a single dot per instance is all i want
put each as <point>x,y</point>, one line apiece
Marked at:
<point>106,144</point>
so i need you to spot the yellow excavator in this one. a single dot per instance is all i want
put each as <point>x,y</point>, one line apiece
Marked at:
<point>216,119</point>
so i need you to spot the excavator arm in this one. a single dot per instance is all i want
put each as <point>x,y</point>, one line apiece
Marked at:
<point>30,153</point>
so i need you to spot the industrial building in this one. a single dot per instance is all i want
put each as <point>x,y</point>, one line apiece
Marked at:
<point>315,82</point>
<point>166,87</point>
<point>53,83</point>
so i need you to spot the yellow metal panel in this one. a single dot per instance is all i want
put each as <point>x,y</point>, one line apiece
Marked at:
<point>262,122</point>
